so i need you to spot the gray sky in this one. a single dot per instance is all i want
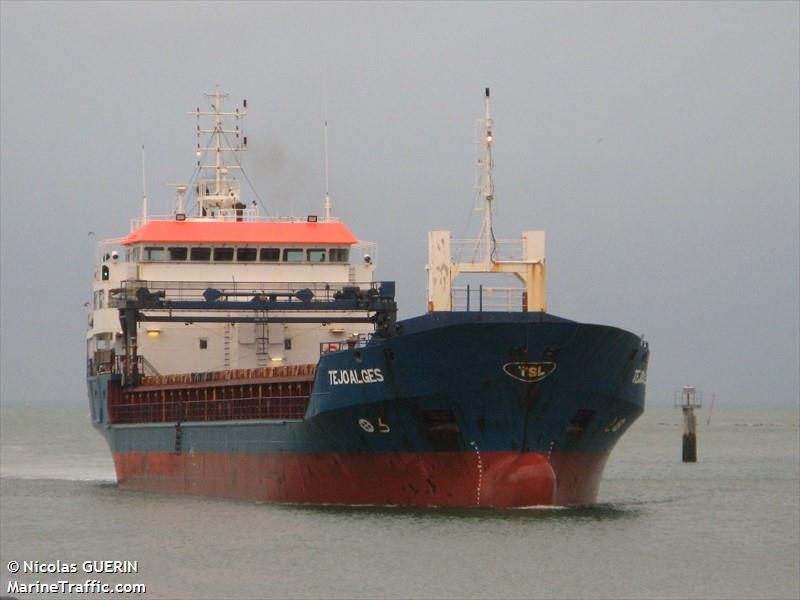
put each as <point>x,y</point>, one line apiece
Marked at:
<point>657,144</point>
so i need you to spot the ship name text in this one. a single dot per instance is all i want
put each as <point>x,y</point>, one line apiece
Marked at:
<point>354,376</point>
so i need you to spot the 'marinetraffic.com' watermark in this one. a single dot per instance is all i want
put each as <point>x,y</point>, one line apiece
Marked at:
<point>66,586</point>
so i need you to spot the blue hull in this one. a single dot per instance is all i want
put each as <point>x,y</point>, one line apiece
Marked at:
<point>470,387</point>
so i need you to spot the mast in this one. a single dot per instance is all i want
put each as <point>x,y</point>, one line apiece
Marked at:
<point>220,193</point>
<point>486,188</point>
<point>217,105</point>
<point>447,258</point>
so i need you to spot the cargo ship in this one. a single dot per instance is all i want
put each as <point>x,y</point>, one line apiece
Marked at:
<point>254,357</point>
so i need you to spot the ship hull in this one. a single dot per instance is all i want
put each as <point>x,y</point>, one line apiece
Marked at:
<point>447,479</point>
<point>461,410</point>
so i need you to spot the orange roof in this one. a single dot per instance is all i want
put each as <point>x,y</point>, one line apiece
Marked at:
<point>226,232</point>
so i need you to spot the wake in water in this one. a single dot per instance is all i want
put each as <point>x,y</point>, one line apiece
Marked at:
<point>62,477</point>
<point>604,511</point>
<point>78,469</point>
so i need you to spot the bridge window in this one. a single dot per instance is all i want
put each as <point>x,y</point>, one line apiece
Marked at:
<point>339,255</point>
<point>154,253</point>
<point>223,254</point>
<point>315,255</point>
<point>201,254</point>
<point>292,255</point>
<point>178,253</point>
<point>270,255</point>
<point>246,254</point>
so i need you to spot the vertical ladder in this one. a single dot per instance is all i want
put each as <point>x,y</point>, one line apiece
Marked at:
<point>226,346</point>
<point>178,438</point>
<point>261,343</point>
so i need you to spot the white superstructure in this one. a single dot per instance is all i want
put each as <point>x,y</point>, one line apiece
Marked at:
<point>224,243</point>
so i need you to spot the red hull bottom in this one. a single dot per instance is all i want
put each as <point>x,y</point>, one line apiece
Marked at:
<point>445,479</point>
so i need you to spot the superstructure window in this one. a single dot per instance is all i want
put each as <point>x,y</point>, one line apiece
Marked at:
<point>339,255</point>
<point>292,255</point>
<point>153,253</point>
<point>246,254</point>
<point>99,296</point>
<point>102,341</point>
<point>315,255</point>
<point>178,253</point>
<point>223,254</point>
<point>200,254</point>
<point>203,343</point>
<point>270,255</point>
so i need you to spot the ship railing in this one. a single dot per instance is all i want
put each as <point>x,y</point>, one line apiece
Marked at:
<point>193,290</point>
<point>114,297</point>
<point>206,409</point>
<point>107,362</point>
<point>249,215</point>
<point>363,253</point>
<point>103,362</point>
<point>104,248</point>
<point>124,366</point>
<point>479,298</point>
<point>474,250</point>
<point>357,341</point>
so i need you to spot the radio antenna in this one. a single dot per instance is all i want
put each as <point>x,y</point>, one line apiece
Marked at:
<point>144,189</point>
<point>327,206</point>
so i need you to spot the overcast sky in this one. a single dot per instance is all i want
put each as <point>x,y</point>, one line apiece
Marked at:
<point>657,145</point>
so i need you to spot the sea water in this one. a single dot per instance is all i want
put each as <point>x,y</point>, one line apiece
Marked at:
<point>726,527</point>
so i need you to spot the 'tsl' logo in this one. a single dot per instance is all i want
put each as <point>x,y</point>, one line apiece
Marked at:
<point>529,372</point>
